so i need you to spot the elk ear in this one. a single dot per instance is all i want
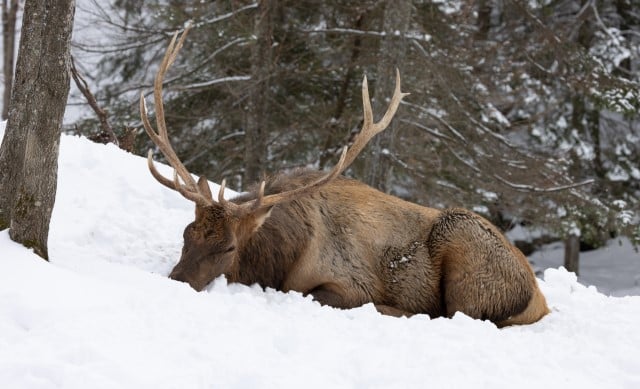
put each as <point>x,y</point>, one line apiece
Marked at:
<point>259,216</point>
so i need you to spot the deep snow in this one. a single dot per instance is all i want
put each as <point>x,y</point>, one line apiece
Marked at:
<point>103,314</point>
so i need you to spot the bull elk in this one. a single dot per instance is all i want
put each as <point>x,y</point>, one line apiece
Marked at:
<point>345,243</point>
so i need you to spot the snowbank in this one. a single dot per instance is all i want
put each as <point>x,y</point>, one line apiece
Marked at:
<point>103,314</point>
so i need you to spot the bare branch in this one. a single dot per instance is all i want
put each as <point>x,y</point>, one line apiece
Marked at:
<point>206,84</point>
<point>426,129</point>
<point>452,129</point>
<point>227,15</point>
<point>378,34</point>
<point>535,189</point>
<point>82,85</point>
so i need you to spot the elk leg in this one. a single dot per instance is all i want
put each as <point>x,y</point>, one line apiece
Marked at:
<point>326,296</point>
<point>392,311</point>
<point>329,297</point>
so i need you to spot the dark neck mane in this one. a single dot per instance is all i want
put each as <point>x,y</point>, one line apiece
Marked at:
<point>283,237</point>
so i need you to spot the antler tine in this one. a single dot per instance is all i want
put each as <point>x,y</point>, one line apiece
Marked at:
<point>369,128</point>
<point>222,201</point>
<point>270,200</point>
<point>223,185</point>
<point>169,58</point>
<point>258,201</point>
<point>156,174</point>
<point>188,188</point>
<point>368,131</point>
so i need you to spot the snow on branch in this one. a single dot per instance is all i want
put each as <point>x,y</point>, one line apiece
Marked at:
<point>206,84</point>
<point>537,189</point>
<point>428,130</point>
<point>410,35</point>
<point>219,18</point>
<point>438,117</point>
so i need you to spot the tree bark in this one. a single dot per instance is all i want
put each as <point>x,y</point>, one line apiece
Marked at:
<point>329,150</point>
<point>9,16</point>
<point>29,152</point>
<point>484,19</point>
<point>397,17</point>
<point>259,101</point>
<point>572,253</point>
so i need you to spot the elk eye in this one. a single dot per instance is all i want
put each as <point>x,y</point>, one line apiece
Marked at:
<point>230,249</point>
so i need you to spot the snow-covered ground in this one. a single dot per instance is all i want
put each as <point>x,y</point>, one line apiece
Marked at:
<point>613,269</point>
<point>103,314</point>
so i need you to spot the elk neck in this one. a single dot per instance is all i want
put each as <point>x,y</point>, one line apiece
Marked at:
<point>269,253</point>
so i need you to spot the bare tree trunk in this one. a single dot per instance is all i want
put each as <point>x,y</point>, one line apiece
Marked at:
<point>13,154</point>
<point>484,19</point>
<point>29,152</point>
<point>397,17</point>
<point>572,253</point>
<point>329,150</point>
<point>259,101</point>
<point>9,16</point>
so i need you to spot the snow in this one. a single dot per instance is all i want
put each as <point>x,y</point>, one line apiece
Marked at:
<point>103,314</point>
<point>496,115</point>
<point>618,173</point>
<point>205,84</point>
<point>615,269</point>
<point>449,6</point>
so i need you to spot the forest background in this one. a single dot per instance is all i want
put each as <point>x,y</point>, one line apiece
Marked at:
<point>524,111</point>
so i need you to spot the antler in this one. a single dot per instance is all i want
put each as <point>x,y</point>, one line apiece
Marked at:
<point>368,131</point>
<point>189,188</point>
<point>200,192</point>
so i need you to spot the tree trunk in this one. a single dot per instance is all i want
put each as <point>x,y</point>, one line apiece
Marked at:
<point>9,13</point>
<point>329,150</point>
<point>259,101</point>
<point>572,253</point>
<point>397,17</point>
<point>29,152</point>
<point>484,19</point>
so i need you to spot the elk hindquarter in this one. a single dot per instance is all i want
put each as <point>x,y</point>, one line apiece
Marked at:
<point>409,259</point>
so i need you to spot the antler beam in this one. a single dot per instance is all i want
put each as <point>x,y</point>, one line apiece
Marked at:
<point>368,131</point>
<point>188,188</point>
<point>184,183</point>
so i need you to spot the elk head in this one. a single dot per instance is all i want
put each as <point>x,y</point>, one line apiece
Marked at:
<point>212,242</point>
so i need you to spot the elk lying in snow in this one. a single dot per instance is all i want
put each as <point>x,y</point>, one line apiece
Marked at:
<point>345,243</point>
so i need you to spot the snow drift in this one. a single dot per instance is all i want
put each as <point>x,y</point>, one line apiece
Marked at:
<point>103,314</point>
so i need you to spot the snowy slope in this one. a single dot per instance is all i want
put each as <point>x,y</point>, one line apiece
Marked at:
<point>614,268</point>
<point>103,314</point>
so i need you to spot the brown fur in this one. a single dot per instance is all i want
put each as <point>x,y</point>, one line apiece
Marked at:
<point>348,244</point>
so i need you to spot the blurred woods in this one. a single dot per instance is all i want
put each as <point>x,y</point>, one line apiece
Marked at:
<point>524,111</point>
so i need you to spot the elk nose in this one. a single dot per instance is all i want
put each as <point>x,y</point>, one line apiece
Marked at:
<point>178,276</point>
<point>182,277</point>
